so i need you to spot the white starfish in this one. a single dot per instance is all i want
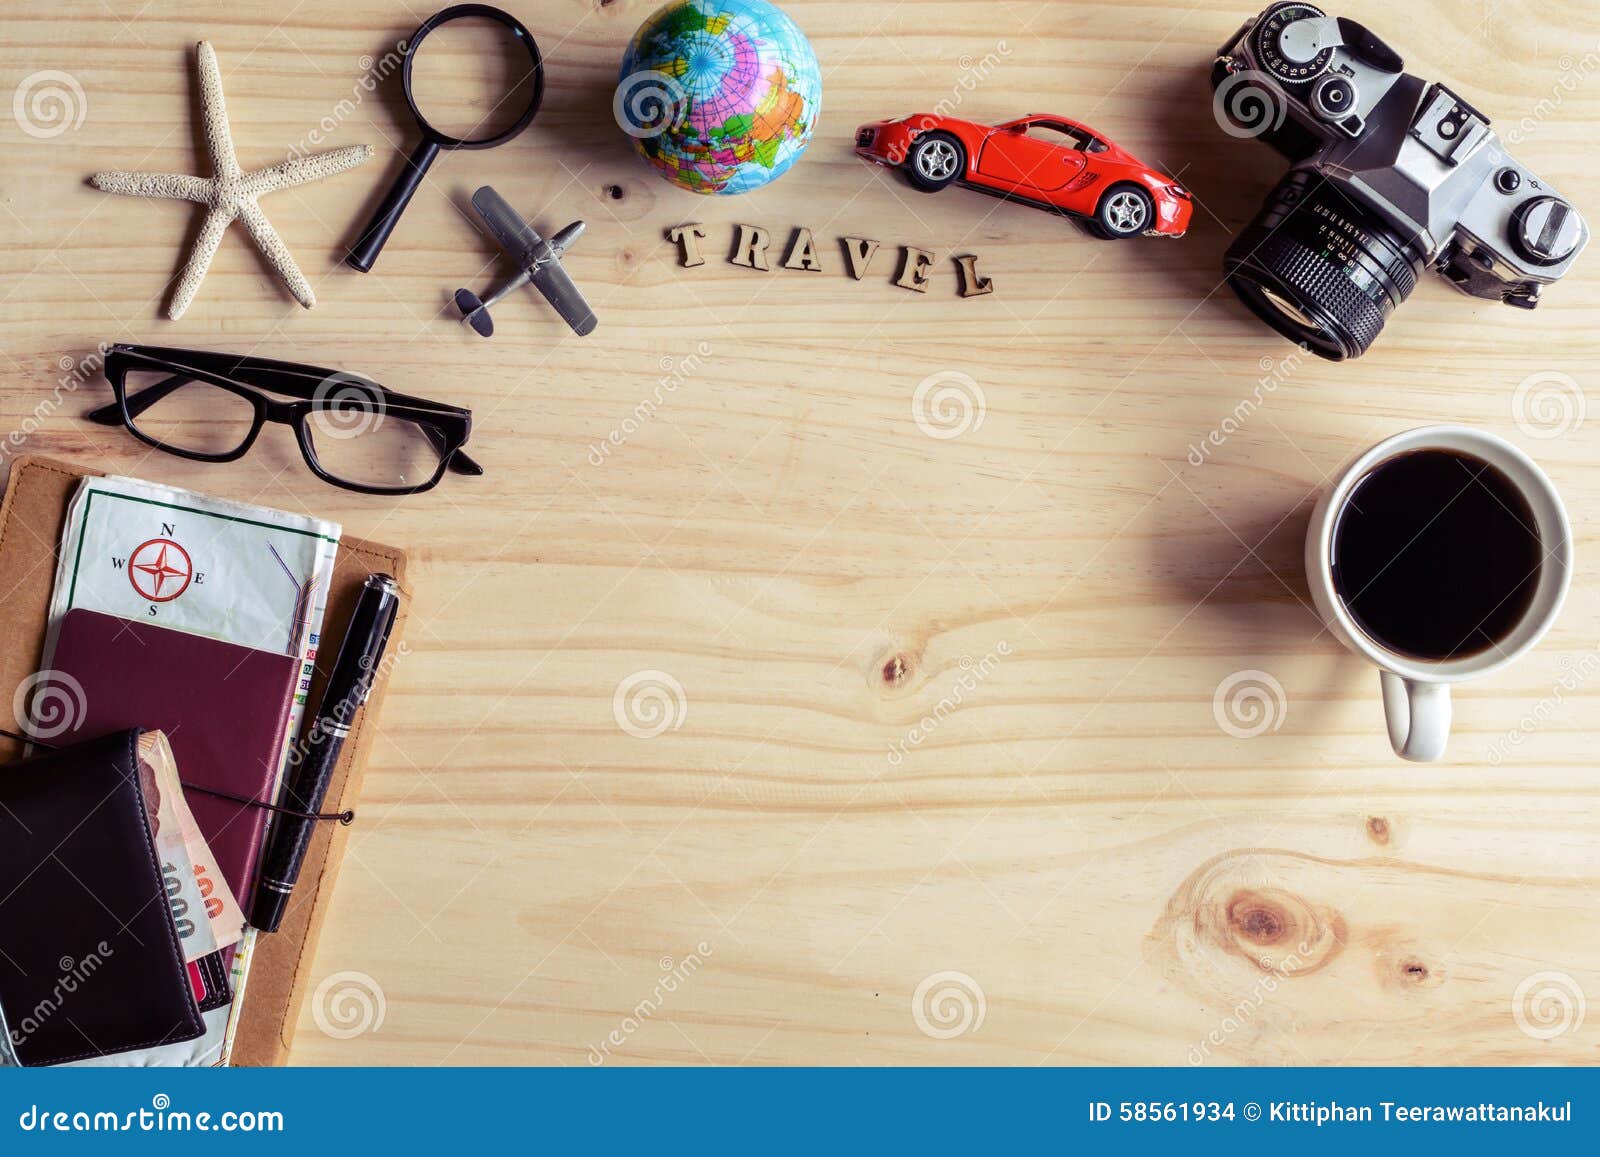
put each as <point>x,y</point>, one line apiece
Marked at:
<point>231,192</point>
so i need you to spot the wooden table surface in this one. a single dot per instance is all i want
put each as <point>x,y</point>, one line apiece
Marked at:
<point>941,777</point>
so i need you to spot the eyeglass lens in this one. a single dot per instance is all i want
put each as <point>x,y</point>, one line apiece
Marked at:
<point>353,435</point>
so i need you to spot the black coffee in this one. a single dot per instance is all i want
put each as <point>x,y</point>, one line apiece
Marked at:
<point>1436,555</point>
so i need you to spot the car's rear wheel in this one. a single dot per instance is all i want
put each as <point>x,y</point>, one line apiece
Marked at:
<point>934,160</point>
<point>1125,211</point>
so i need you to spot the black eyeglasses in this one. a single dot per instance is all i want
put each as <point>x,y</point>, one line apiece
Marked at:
<point>352,431</point>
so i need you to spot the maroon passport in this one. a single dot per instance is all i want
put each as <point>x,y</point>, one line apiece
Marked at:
<point>225,709</point>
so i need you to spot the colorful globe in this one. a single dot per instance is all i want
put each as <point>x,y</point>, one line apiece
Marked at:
<point>720,96</point>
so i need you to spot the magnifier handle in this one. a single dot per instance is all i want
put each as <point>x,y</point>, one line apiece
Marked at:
<point>371,243</point>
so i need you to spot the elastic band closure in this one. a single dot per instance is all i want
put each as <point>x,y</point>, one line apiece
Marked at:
<point>346,817</point>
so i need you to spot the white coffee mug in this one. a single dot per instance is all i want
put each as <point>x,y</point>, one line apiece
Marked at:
<point>1416,692</point>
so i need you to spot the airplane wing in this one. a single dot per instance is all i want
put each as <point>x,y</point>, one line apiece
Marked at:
<point>562,292</point>
<point>520,242</point>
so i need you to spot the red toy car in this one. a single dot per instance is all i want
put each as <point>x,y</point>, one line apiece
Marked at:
<point>1045,161</point>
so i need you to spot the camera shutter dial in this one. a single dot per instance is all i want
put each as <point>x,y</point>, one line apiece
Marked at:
<point>1295,43</point>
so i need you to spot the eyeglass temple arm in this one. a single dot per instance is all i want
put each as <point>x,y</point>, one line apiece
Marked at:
<point>459,462</point>
<point>284,377</point>
<point>299,381</point>
<point>137,402</point>
<point>302,382</point>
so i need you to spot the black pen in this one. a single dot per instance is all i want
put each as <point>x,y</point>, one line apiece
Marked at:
<point>313,761</point>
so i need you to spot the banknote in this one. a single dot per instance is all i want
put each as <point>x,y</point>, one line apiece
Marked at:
<point>222,907</point>
<point>204,910</point>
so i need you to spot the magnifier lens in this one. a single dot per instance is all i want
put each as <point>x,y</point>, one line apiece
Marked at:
<point>472,78</point>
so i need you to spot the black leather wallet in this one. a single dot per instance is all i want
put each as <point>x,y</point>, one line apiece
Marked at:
<point>89,958</point>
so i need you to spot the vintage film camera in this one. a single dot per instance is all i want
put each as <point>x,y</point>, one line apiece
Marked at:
<point>1388,173</point>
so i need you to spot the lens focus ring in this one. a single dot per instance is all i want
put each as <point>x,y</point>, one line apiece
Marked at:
<point>1313,280</point>
<point>1321,270</point>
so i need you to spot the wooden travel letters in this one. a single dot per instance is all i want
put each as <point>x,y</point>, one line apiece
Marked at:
<point>751,248</point>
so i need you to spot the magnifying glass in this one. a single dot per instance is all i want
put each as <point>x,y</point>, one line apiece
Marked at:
<point>481,122</point>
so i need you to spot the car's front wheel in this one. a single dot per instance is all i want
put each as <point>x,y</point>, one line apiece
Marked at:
<point>1125,211</point>
<point>934,160</point>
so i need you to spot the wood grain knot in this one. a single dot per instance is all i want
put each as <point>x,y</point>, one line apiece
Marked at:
<point>1257,919</point>
<point>896,671</point>
<point>1278,931</point>
<point>1233,921</point>
<point>1400,967</point>
<point>1378,830</point>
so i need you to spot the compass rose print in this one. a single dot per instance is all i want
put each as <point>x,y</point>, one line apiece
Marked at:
<point>160,570</point>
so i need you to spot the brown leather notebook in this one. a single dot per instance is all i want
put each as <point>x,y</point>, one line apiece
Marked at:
<point>32,517</point>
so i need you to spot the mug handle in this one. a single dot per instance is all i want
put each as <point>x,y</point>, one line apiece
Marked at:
<point>1418,716</point>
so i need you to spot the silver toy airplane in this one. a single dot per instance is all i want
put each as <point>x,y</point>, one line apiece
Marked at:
<point>539,261</point>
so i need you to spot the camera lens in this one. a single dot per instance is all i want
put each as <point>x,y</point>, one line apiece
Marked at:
<point>1321,269</point>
